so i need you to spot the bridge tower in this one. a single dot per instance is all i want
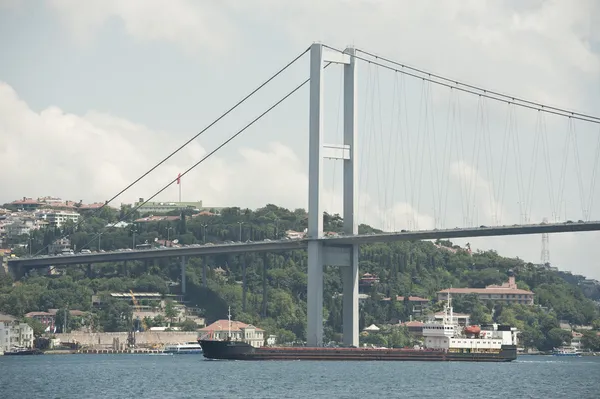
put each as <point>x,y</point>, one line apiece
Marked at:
<point>319,255</point>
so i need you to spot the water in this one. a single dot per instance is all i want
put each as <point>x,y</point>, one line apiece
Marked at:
<point>190,376</point>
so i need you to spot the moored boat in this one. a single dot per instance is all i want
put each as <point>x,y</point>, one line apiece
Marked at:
<point>572,352</point>
<point>21,351</point>
<point>445,341</point>
<point>190,348</point>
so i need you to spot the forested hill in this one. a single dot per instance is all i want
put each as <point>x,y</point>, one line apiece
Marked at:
<point>404,268</point>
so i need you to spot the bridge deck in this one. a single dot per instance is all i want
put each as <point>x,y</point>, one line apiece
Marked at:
<point>288,245</point>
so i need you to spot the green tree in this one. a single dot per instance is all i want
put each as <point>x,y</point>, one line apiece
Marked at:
<point>189,325</point>
<point>591,340</point>
<point>159,321</point>
<point>558,337</point>
<point>62,320</point>
<point>38,327</point>
<point>170,310</point>
<point>115,316</point>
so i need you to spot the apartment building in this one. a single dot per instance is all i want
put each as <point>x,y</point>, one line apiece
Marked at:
<point>508,293</point>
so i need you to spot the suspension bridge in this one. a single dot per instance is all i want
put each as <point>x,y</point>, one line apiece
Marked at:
<point>474,174</point>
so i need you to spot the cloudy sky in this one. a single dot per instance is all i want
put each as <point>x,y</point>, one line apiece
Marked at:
<point>94,93</point>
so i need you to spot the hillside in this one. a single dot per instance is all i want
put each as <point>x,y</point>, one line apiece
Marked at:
<point>276,283</point>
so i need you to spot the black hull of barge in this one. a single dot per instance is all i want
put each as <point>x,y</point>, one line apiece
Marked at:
<point>224,350</point>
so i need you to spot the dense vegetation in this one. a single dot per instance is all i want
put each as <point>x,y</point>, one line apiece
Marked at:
<point>275,298</point>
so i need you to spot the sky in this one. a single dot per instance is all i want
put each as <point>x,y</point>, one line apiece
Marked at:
<point>94,93</point>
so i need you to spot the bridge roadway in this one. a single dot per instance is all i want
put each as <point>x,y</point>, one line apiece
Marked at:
<point>288,245</point>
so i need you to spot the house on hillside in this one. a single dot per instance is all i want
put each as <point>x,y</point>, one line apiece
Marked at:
<point>239,331</point>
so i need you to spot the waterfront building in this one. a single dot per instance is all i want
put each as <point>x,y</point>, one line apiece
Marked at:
<point>14,333</point>
<point>220,330</point>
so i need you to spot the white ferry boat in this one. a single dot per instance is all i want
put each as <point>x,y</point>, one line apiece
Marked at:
<point>190,348</point>
<point>566,351</point>
<point>448,335</point>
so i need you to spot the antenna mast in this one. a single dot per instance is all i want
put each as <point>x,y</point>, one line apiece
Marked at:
<point>229,323</point>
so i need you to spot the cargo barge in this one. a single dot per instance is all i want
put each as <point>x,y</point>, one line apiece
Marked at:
<point>445,341</point>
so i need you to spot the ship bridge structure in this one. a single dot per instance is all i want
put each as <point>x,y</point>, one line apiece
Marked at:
<point>454,176</point>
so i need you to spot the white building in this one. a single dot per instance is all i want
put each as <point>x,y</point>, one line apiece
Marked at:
<point>239,331</point>
<point>57,218</point>
<point>14,333</point>
<point>59,246</point>
<point>21,226</point>
<point>164,207</point>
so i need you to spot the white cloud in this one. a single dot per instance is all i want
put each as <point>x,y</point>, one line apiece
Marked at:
<point>92,156</point>
<point>195,26</point>
<point>480,195</point>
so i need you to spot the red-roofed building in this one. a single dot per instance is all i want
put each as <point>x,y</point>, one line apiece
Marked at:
<point>414,327</point>
<point>46,318</point>
<point>204,213</point>
<point>219,330</point>
<point>368,280</point>
<point>26,204</point>
<point>95,205</point>
<point>507,292</point>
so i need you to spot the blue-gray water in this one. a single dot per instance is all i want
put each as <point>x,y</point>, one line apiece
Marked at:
<point>190,376</point>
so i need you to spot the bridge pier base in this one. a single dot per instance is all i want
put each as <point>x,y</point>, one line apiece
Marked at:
<point>350,299</point>
<point>314,327</point>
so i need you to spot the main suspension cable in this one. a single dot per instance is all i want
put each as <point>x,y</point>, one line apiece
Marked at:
<point>495,93</point>
<point>133,209</point>
<point>484,93</point>
<point>236,105</point>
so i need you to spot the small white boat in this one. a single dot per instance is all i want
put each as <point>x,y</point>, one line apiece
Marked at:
<point>566,352</point>
<point>190,348</point>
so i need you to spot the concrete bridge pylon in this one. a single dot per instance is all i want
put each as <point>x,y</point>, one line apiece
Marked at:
<point>345,256</point>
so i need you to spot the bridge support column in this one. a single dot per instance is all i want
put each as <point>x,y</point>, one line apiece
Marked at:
<point>318,255</point>
<point>314,327</point>
<point>183,265</point>
<point>350,273</point>
<point>244,287</point>
<point>204,261</point>
<point>350,299</point>
<point>314,330</point>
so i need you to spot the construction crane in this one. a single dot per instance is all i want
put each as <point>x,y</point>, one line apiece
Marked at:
<point>136,304</point>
